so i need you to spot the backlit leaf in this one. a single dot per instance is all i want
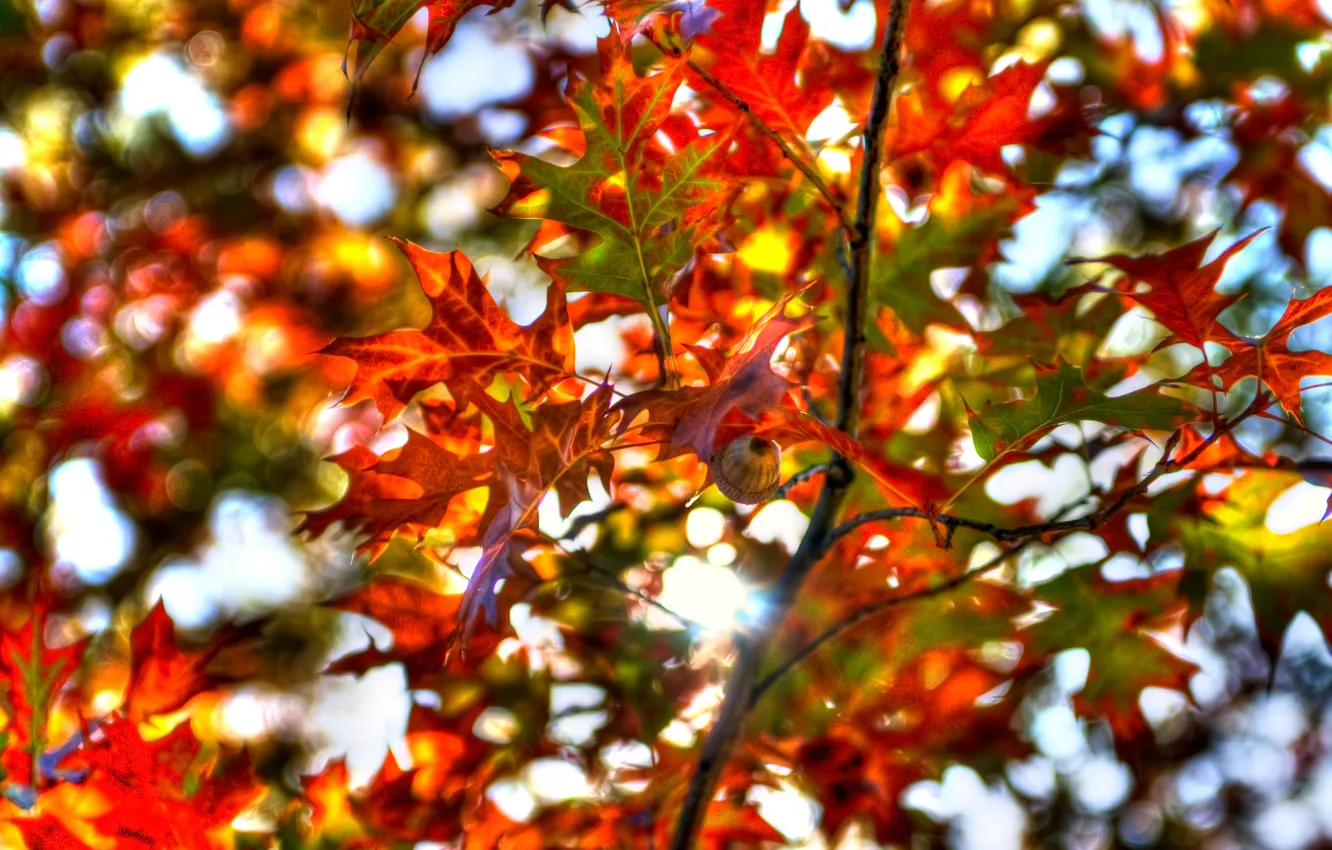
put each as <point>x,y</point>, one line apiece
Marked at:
<point>1062,396</point>
<point>468,341</point>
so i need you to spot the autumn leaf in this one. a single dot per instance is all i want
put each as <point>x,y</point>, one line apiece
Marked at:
<point>376,22</point>
<point>652,203</point>
<point>1285,571</point>
<point>688,418</point>
<point>776,85</point>
<point>634,16</point>
<point>1183,294</point>
<point>1071,326</point>
<point>417,615</point>
<point>1269,167</point>
<point>468,341</point>
<point>566,446</point>
<point>162,794</point>
<point>46,832</point>
<point>1062,396</point>
<point>1111,621</point>
<point>1269,357</point>
<point>989,116</point>
<point>854,778</point>
<point>729,825</point>
<point>163,675</point>
<point>411,490</point>
<point>421,619</point>
<point>33,674</point>
<point>962,231</point>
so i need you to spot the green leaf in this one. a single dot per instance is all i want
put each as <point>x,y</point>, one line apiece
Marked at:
<point>962,231</point>
<point>1063,396</point>
<point>1286,572</point>
<point>652,203</point>
<point>375,22</point>
<point>1110,620</point>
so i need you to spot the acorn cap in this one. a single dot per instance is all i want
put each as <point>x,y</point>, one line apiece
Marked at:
<point>747,469</point>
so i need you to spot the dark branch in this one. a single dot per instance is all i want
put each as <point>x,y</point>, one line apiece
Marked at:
<point>861,243</point>
<point>730,720</point>
<point>799,478</point>
<point>1088,522</point>
<point>1023,535</point>
<point>605,576</point>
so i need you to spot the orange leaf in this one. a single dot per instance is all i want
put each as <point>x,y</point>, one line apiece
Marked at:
<point>468,341</point>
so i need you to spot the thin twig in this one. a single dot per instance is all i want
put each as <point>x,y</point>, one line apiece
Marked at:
<point>1088,522</point>
<point>799,478</point>
<point>1023,535</point>
<point>873,609</point>
<point>801,164</point>
<point>810,404</point>
<point>750,647</point>
<point>611,578</point>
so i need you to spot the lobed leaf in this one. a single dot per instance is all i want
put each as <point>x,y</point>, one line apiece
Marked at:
<point>1062,396</point>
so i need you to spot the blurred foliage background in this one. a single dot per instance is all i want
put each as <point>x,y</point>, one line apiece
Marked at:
<point>190,208</point>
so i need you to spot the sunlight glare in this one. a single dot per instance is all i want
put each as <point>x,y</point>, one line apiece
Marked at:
<point>1302,505</point>
<point>705,593</point>
<point>704,526</point>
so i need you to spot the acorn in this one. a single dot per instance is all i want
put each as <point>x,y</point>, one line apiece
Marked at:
<point>746,469</point>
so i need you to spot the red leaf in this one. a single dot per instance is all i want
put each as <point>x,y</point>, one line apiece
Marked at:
<point>45,832</point>
<point>688,418</point>
<point>1183,294</point>
<point>163,676</point>
<point>1270,359</point>
<point>468,341</point>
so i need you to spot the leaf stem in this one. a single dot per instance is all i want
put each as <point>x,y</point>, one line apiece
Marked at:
<point>609,577</point>
<point>730,720</point>
<point>661,345</point>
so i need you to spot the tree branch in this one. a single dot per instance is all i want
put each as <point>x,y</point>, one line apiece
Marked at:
<point>873,609</point>
<point>799,478</point>
<point>1084,523</point>
<point>730,720</point>
<point>861,241</point>
<point>1024,535</point>
<point>609,577</point>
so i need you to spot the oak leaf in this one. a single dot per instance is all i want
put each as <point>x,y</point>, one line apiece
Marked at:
<point>687,419</point>
<point>47,832</point>
<point>989,116</point>
<point>150,786</point>
<point>164,675</point>
<point>651,202</point>
<point>1112,621</point>
<point>376,22</point>
<point>1183,294</point>
<point>408,491</point>
<point>1063,396</point>
<point>421,619</point>
<point>566,446</point>
<point>770,82</point>
<point>1269,357</point>
<point>467,342</point>
<point>33,674</point>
